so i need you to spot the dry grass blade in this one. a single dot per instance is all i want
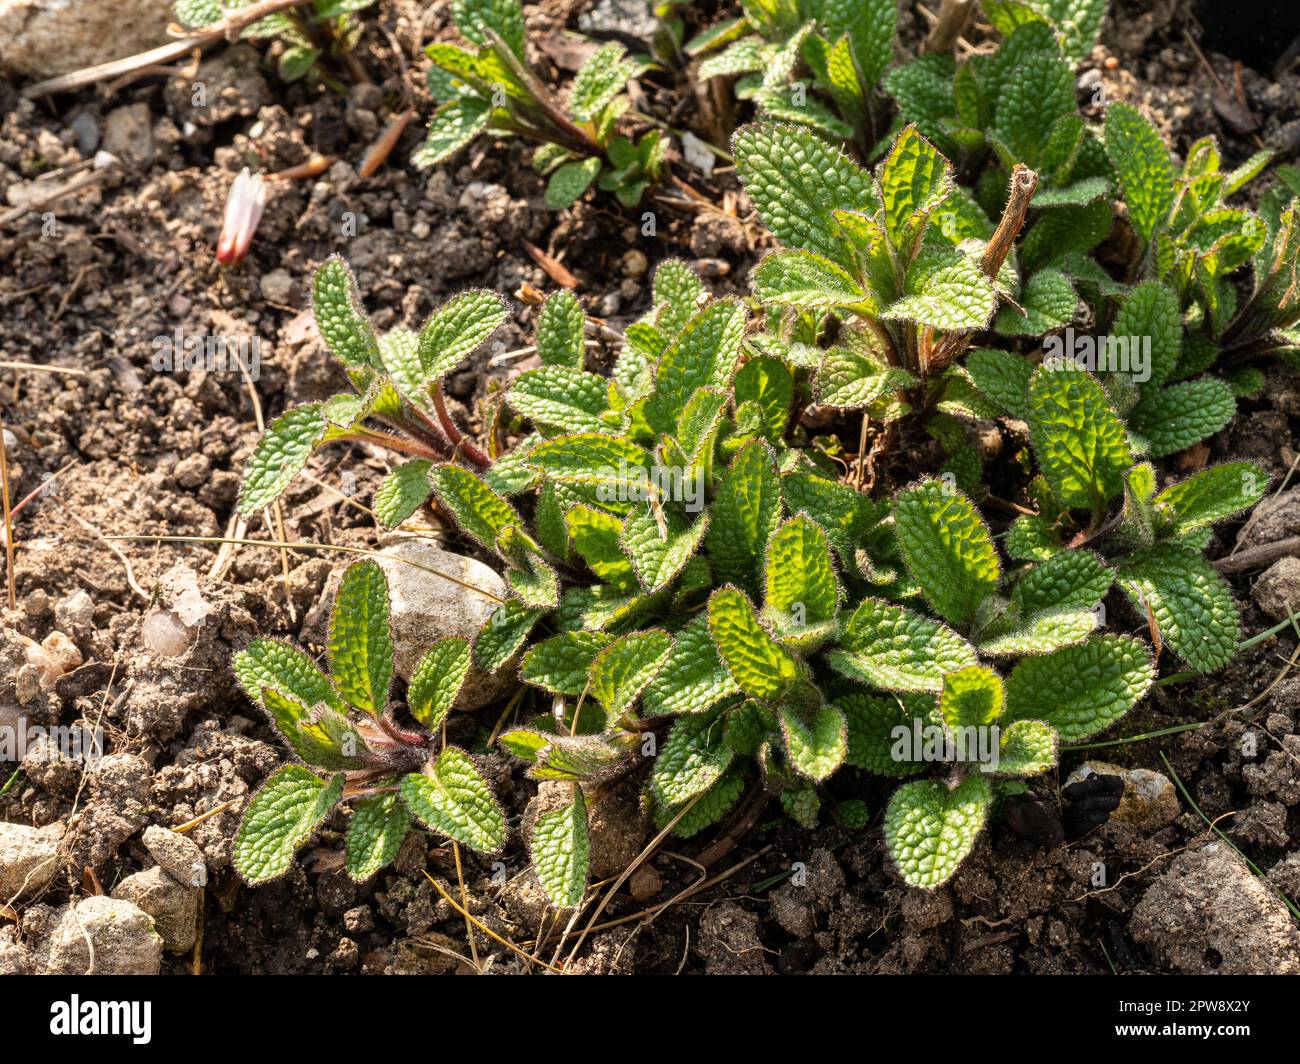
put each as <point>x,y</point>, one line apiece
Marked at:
<point>488,931</point>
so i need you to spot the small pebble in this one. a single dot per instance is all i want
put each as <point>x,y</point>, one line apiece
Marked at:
<point>635,263</point>
<point>164,634</point>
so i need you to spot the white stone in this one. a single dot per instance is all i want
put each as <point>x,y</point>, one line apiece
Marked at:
<point>41,38</point>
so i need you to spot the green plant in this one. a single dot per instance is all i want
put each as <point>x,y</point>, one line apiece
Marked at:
<point>397,402</point>
<point>904,258</point>
<point>488,86</point>
<point>1016,107</point>
<point>844,45</point>
<point>323,28</point>
<point>346,732</point>
<point>675,558</point>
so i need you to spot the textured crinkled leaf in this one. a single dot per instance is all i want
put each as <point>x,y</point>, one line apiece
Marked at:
<point>604,462</point>
<point>1076,194</point>
<point>1075,579</point>
<point>802,804</point>
<point>280,819</point>
<point>800,588</point>
<point>712,806</point>
<point>456,328</point>
<point>952,298</point>
<point>1081,690</point>
<point>678,292</point>
<point>1048,302</point>
<point>715,36</point>
<point>896,649</point>
<point>561,664</point>
<point>914,180</point>
<point>703,355</point>
<point>1078,22</point>
<point>1036,91</point>
<point>561,852</point>
<point>930,829</point>
<point>1151,315</point>
<point>532,578</point>
<point>796,180</point>
<point>923,89</point>
<point>1142,165</point>
<point>379,824</point>
<point>596,535</point>
<point>1192,605</point>
<point>1043,633</point>
<point>1081,445</point>
<point>850,377</point>
<point>479,511</point>
<point>437,680</point>
<point>504,633</point>
<point>872,721</point>
<point>1027,747</point>
<point>758,664</point>
<point>402,492</point>
<point>510,473</point>
<point>505,18</point>
<point>399,355</point>
<point>815,742</point>
<point>744,514</point>
<point>948,549</point>
<point>527,743</point>
<point>453,125</point>
<point>573,758</point>
<point>270,663</point>
<point>845,514</point>
<point>561,333</point>
<point>870,25</point>
<point>1064,232</point>
<point>570,181</point>
<point>342,322</point>
<point>693,677</point>
<point>656,559</point>
<point>1212,495</point>
<point>196,13</point>
<point>318,734</point>
<point>280,454</point>
<point>698,427</point>
<point>1183,414</point>
<point>749,726</point>
<point>1032,538</point>
<point>600,608</point>
<point>599,80</point>
<point>971,698</point>
<point>805,279</point>
<point>691,760</point>
<point>621,671</point>
<point>562,399</point>
<point>1003,377</point>
<point>360,641</point>
<point>740,57</point>
<point>453,799</point>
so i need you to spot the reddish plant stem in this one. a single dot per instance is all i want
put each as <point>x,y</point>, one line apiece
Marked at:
<point>459,441</point>
<point>394,443</point>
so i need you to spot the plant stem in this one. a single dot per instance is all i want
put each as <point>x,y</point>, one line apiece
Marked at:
<point>1024,182</point>
<point>951,22</point>
<point>459,441</point>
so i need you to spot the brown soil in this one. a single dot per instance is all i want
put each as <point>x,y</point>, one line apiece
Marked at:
<point>151,453</point>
